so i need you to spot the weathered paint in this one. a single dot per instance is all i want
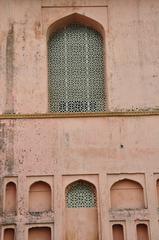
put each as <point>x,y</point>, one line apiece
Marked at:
<point>100,150</point>
<point>10,70</point>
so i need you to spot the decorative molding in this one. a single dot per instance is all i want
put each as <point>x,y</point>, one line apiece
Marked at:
<point>77,115</point>
<point>77,3</point>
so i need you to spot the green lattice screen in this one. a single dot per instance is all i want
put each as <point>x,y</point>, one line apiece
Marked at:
<point>76,70</point>
<point>81,194</point>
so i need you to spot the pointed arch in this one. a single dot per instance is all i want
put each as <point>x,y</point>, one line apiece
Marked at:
<point>75,18</point>
<point>76,81</point>
<point>127,193</point>
<point>39,197</point>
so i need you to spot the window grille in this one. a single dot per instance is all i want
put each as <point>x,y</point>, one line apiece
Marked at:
<point>76,70</point>
<point>81,195</point>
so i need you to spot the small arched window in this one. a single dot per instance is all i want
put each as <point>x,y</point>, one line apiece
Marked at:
<point>81,194</point>
<point>76,70</point>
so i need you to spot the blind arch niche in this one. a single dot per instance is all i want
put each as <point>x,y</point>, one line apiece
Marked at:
<point>76,68</point>
<point>127,194</point>
<point>39,197</point>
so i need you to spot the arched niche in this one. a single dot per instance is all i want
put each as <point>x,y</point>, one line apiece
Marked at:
<point>10,197</point>
<point>9,234</point>
<point>118,232</point>
<point>40,233</point>
<point>142,232</point>
<point>76,69</point>
<point>81,213</point>
<point>77,19</point>
<point>127,194</point>
<point>39,197</point>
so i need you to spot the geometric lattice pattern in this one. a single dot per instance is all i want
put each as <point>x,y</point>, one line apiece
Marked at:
<point>81,194</point>
<point>76,70</point>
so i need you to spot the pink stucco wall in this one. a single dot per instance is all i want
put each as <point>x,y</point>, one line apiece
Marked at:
<point>131,51</point>
<point>100,150</point>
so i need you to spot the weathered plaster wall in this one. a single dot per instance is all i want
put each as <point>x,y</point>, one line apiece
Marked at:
<point>131,51</point>
<point>100,150</point>
<point>51,150</point>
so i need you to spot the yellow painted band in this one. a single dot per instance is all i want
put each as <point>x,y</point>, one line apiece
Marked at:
<point>74,115</point>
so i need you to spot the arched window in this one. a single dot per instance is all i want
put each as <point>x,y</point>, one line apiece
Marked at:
<point>39,197</point>
<point>127,194</point>
<point>76,70</point>
<point>10,197</point>
<point>81,194</point>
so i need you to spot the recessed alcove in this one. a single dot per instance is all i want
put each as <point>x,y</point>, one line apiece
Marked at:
<point>142,232</point>
<point>39,233</point>
<point>9,234</point>
<point>81,214</point>
<point>40,197</point>
<point>127,194</point>
<point>118,232</point>
<point>10,197</point>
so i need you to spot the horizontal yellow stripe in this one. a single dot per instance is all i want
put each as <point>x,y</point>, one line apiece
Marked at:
<point>74,115</point>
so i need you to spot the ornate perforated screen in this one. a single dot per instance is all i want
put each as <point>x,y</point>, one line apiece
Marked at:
<point>81,194</point>
<point>76,70</point>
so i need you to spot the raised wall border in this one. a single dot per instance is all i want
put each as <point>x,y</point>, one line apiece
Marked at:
<point>77,3</point>
<point>74,115</point>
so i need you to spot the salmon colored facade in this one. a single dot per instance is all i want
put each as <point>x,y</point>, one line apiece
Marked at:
<point>79,176</point>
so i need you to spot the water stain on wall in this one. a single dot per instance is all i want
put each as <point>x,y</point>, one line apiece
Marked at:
<point>9,108</point>
<point>9,163</point>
